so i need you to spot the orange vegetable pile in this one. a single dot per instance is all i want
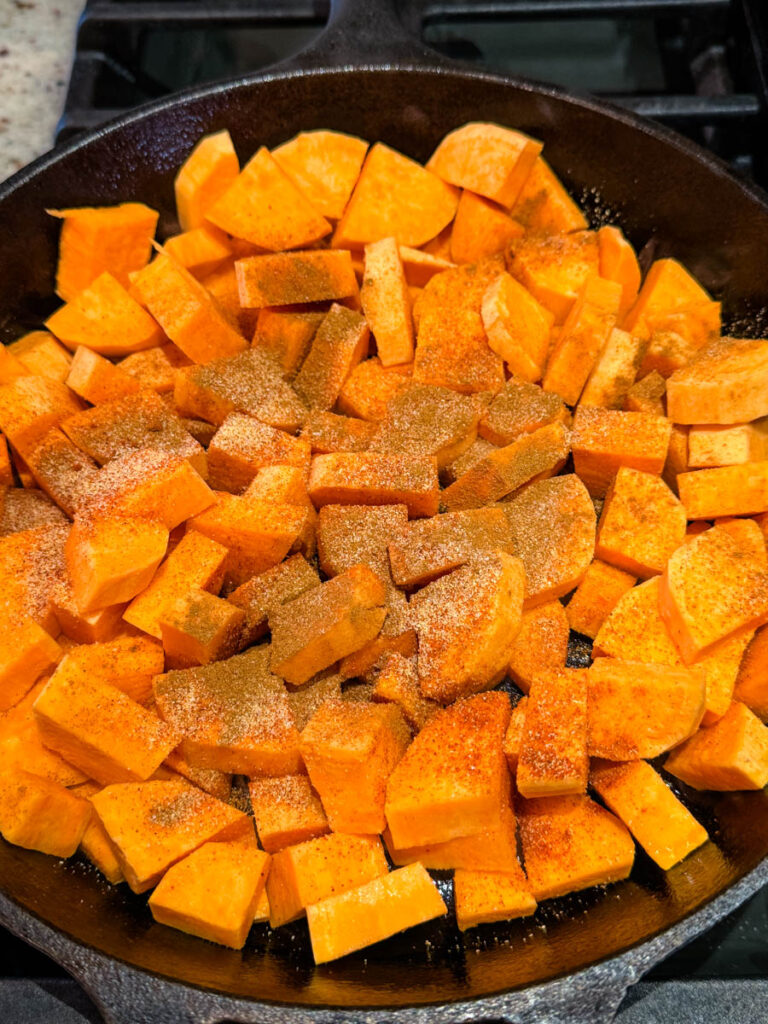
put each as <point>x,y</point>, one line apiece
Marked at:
<point>284,503</point>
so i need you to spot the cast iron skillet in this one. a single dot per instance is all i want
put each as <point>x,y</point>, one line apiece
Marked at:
<point>575,959</point>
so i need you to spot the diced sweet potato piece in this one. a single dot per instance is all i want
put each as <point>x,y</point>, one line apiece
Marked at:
<point>99,729</point>
<point>395,196</point>
<point>485,896</point>
<point>480,229</point>
<point>216,783</point>
<point>350,535</point>
<point>641,710</point>
<point>339,345</point>
<point>10,366</point>
<point>421,266</point>
<point>676,337</point>
<point>521,408</point>
<point>259,595</point>
<point>6,469</point>
<point>376,910</point>
<point>486,158</point>
<point>728,446</point>
<point>328,432</point>
<point>206,174</point>
<point>42,355</point>
<point>325,166</point>
<point>711,589</point>
<point>263,206</point>
<point>367,391</point>
<point>242,446</point>
<point>154,824</point>
<point>518,328</point>
<point>667,287</point>
<point>387,303</point>
<point>397,682</point>
<point>213,892</point>
<point>286,335</point>
<point>725,491</point>
<point>81,627</point>
<point>641,525</point>
<point>614,371</point>
<point>199,628</point>
<point>752,681</point>
<point>127,662</point>
<point>552,757</point>
<point>555,268</point>
<point>453,779</point>
<point>618,262</point>
<point>366,478</point>
<point>350,750</point>
<point>514,734</point>
<point>647,395</point>
<point>596,596</point>
<point>26,652</point>
<point>326,623</point>
<point>249,383</point>
<point>23,508</point>
<point>544,205</point>
<point>155,368</point>
<point>234,715</point>
<point>287,811</point>
<point>553,528</point>
<point>477,451</point>
<point>584,333</point>
<point>21,744</point>
<point>308,698</point>
<point>726,382</point>
<point>280,279</point>
<point>97,848</point>
<point>732,754</point>
<point>31,569</point>
<point>506,469</point>
<point>95,379</point>
<point>639,797</point>
<point>30,407</point>
<point>466,624</point>
<point>571,843</point>
<point>200,250</point>
<point>303,875</point>
<point>197,561</point>
<point>40,814</point>
<point>397,636</point>
<point>541,644</point>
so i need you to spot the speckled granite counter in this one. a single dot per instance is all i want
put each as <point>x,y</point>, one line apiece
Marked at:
<point>36,47</point>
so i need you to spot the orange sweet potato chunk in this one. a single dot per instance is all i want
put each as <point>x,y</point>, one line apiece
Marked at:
<point>286,335</point>
<point>213,892</point>
<point>520,408</point>
<point>127,662</point>
<point>328,432</point>
<point>541,645</point>
<point>640,710</point>
<point>151,825</point>
<point>42,355</point>
<point>21,745</point>
<point>752,681</point>
<point>667,288</point>
<point>730,755</point>
<point>480,229</point>
<point>596,596</point>
<point>31,571</point>
<point>482,897</point>
<point>490,160</point>
<point>453,779</point>
<point>280,279</point>
<point>725,491</point>
<point>395,196</point>
<point>30,407</point>
<point>26,652</point>
<point>518,328</point>
<point>242,446</point>
<point>544,206</point>
<point>287,811</point>
<point>95,379</point>
<point>397,682</point>
<point>201,251</point>
<point>366,478</point>
<point>552,757</point>
<point>155,368</point>
<point>387,303</point>
<point>199,628</point>
<point>370,387</point>
<point>206,174</point>
<point>673,339</point>
<point>726,382</point>
<point>6,470</point>
<point>25,508</point>
<point>603,440</point>
<point>618,263</point>
<point>265,591</point>
<point>639,797</point>
<point>325,166</point>
<point>376,910</point>
<point>40,814</point>
<point>554,268</point>
<point>710,446</point>
<point>614,372</point>
<point>647,394</point>
<point>340,343</point>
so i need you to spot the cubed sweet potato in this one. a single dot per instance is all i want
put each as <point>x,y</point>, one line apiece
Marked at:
<point>725,491</point>
<point>267,590</point>
<point>26,652</point>
<point>726,382</point>
<point>340,343</point>
<point>325,166</point>
<point>596,596</point>
<point>242,446</point>
<point>732,754</point>
<point>287,811</point>
<point>604,440</point>
<point>541,644</point>
<point>552,757</point>
<point>544,206</point>
<point>207,173</point>
<point>367,478</point>
<point>554,268</point>
<point>482,897</point>
<point>480,228</point>
<point>286,336</point>
<point>40,814</point>
<point>387,302</point>
<point>280,279</point>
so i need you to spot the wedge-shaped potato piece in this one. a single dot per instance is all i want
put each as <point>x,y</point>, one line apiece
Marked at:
<point>370,386</point>
<point>97,848</point>
<point>95,379</point>
<point>376,910</point>
<point>201,251</point>
<point>728,446</point>
<point>99,729</point>
<point>453,780</point>
<point>151,825</point>
<point>518,328</point>
<point>280,279</point>
<point>667,288</point>
<point>207,173</point>
<point>486,158</point>
<point>328,432</point>
<point>350,750</point>
<point>249,383</point>
<point>286,335</point>
<point>30,407</point>
<point>730,755</point>
<point>480,229</point>
<point>477,451</point>
<point>242,446</point>
<point>287,811</point>
<point>647,395</point>
<point>196,561</point>
<point>213,892</point>
<point>304,874</point>
<point>155,368</point>
<point>483,897</point>
<point>466,624</point>
<point>618,262</point>
<point>395,196</point>
<point>641,525</point>
<point>42,355</point>
<point>387,302</point>
<point>504,470</point>
<point>596,596</point>
<point>26,652</point>
<point>397,682</point>
<point>325,166</point>
<point>428,548</point>
<point>726,382</point>
<point>711,589</point>
<point>554,268</point>
<point>200,628</point>
<point>553,528</point>
<point>32,570</point>
<point>726,491</point>
<point>614,371</point>
<point>368,478</point>
<point>40,814</point>
<point>751,686</point>
<point>127,662</point>
<point>521,408</point>
<point>233,715</point>
<point>421,266</point>
<point>268,590</point>
<point>604,440</point>
<point>571,843</point>
<point>94,627</point>
<point>322,625</point>
<point>339,345</point>
<point>21,745</point>
<point>639,797</point>
<point>552,757</point>
<point>544,206</point>
<point>541,644</point>
<point>640,710</point>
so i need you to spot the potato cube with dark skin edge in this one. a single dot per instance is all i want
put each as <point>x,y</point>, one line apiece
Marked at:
<point>368,478</point>
<point>282,279</point>
<point>314,630</point>
<point>730,755</point>
<point>26,652</point>
<point>397,681</point>
<point>200,628</point>
<point>213,892</point>
<point>552,759</point>
<point>151,825</point>
<point>604,440</point>
<point>350,750</point>
<point>267,590</point>
<point>40,814</point>
<point>242,446</point>
<point>514,734</point>
<point>340,343</point>
<point>596,596</point>
<point>287,811</point>
<point>482,897</point>
<point>520,408</point>
<point>453,780</point>
<point>541,644</point>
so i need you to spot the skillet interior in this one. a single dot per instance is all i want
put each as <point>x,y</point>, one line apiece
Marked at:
<point>670,200</point>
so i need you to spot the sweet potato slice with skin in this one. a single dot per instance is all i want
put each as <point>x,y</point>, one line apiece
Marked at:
<point>596,596</point>
<point>541,645</point>
<point>340,344</point>
<point>40,814</point>
<point>350,750</point>
<point>483,897</point>
<point>213,892</point>
<point>370,387</point>
<point>280,279</point>
<point>571,843</point>
<point>490,160</point>
<point>367,478</point>
<point>544,205</point>
<point>614,371</point>
<point>267,590</point>
<point>555,268</point>
<point>552,758</point>
<point>287,811</point>
<point>618,262</point>
<point>286,336</point>
<point>725,491</point>
<point>397,682</point>
<point>387,302</point>
<point>151,825</point>
<point>206,174</point>
<point>521,408</point>
<point>641,525</point>
<point>518,328</point>
<point>466,624</point>
<point>95,379</point>
<point>378,909</point>
<point>553,528</point>
<point>730,755</point>
<point>325,166</point>
<point>637,710</point>
<point>480,229</point>
<point>667,287</point>
<point>26,652</point>
<point>453,779</point>
<point>30,407</point>
<point>724,383</point>
<point>394,196</point>
<point>242,446</point>
<point>640,798</point>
